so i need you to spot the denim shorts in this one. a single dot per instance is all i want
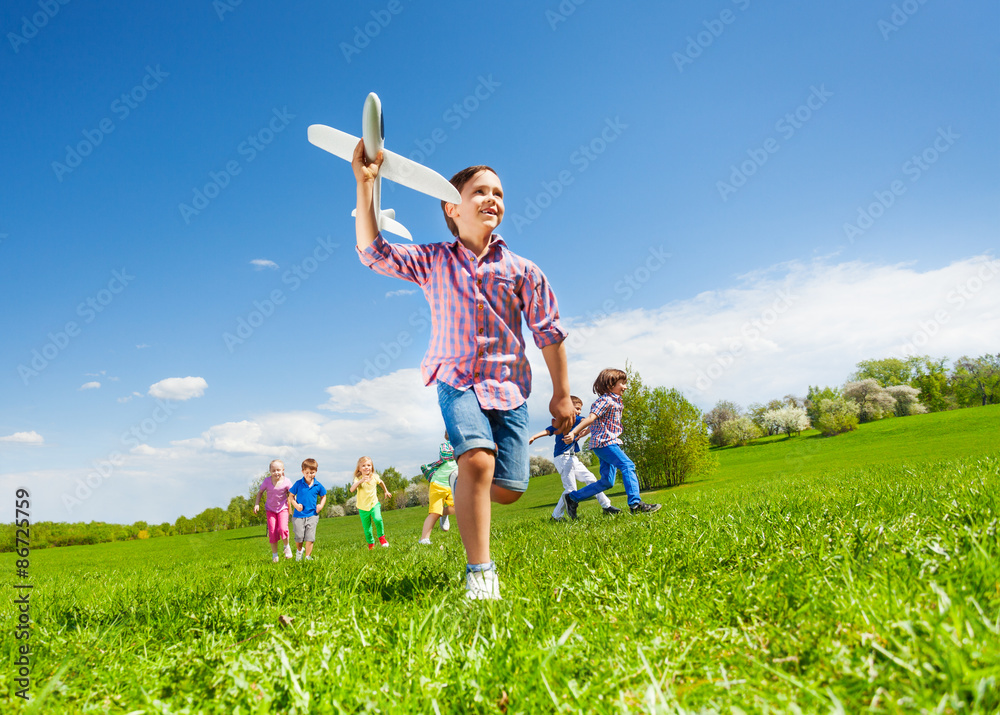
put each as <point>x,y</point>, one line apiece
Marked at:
<point>503,432</point>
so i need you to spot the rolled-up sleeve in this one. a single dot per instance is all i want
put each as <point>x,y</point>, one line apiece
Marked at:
<point>411,263</point>
<point>541,310</point>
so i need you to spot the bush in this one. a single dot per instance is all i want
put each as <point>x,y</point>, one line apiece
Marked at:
<point>787,420</point>
<point>907,400</point>
<point>540,466</point>
<point>351,506</point>
<point>723,412</point>
<point>739,431</point>
<point>663,434</point>
<point>333,510</point>
<point>837,415</point>
<point>874,401</point>
<point>416,494</point>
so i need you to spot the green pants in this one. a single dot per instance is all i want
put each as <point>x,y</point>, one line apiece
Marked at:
<point>367,517</point>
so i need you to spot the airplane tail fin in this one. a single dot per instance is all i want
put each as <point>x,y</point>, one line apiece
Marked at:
<point>387,222</point>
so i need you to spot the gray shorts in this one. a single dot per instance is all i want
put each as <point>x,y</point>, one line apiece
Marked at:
<point>305,528</point>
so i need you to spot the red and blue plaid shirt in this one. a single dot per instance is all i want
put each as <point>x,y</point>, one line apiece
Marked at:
<point>607,428</point>
<point>476,308</point>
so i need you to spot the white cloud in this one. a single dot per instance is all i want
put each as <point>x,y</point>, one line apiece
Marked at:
<point>179,388</point>
<point>24,438</point>
<point>141,346</point>
<point>400,292</point>
<point>262,263</point>
<point>129,398</point>
<point>93,385</point>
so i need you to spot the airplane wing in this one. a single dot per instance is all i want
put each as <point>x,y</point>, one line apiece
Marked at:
<point>333,140</point>
<point>416,176</point>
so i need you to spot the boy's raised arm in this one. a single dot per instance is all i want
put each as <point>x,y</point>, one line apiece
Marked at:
<point>561,407</point>
<point>365,225</point>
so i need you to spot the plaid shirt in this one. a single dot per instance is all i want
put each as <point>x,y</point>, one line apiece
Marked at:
<point>607,428</point>
<point>476,311</point>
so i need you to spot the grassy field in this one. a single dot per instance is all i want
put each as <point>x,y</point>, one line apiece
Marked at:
<point>859,573</point>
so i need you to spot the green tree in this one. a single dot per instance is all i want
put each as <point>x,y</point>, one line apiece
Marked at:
<point>717,417</point>
<point>663,434</point>
<point>396,484</point>
<point>814,397</point>
<point>931,378</point>
<point>886,372</point>
<point>977,381</point>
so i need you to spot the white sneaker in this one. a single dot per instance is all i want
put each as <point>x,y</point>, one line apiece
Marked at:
<point>445,524</point>
<point>425,541</point>
<point>274,558</point>
<point>453,482</point>
<point>288,551</point>
<point>298,555</point>
<point>482,585</point>
<point>309,558</point>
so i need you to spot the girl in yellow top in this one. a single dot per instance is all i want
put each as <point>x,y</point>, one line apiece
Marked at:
<point>365,482</point>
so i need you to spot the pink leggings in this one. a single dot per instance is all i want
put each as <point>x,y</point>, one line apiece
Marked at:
<point>277,525</point>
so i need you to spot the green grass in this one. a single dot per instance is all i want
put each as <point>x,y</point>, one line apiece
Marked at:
<point>859,573</point>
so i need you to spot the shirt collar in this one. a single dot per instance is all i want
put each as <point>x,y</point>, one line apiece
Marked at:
<point>496,243</point>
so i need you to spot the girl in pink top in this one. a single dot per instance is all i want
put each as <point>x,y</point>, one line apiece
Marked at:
<point>276,485</point>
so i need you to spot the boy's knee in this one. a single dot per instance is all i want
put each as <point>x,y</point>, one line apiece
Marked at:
<point>500,495</point>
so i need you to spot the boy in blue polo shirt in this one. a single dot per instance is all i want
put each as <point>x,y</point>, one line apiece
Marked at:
<point>308,497</point>
<point>569,466</point>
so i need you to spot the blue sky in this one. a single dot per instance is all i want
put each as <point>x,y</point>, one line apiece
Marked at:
<point>739,198</point>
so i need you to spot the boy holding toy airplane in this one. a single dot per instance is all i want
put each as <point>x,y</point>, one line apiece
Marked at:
<point>477,290</point>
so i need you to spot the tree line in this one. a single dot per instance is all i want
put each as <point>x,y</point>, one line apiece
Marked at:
<point>877,389</point>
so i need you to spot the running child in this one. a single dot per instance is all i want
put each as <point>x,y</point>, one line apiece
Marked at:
<point>439,498</point>
<point>308,498</point>
<point>478,291</point>
<point>276,507</point>
<point>605,423</point>
<point>366,481</point>
<point>569,466</point>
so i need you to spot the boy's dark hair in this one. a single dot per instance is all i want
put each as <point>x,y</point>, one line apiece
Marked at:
<point>458,181</point>
<point>574,399</point>
<point>608,378</point>
<point>311,463</point>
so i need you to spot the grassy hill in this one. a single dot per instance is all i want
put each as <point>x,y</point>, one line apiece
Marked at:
<point>860,572</point>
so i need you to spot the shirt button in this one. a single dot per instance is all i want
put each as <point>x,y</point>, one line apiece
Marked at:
<point>481,353</point>
<point>479,282</point>
<point>480,331</point>
<point>480,306</point>
<point>477,374</point>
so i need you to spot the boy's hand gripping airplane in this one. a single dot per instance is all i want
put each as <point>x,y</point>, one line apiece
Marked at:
<point>394,166</point>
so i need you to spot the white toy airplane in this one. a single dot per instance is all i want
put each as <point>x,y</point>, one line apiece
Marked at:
<point>394,167</point>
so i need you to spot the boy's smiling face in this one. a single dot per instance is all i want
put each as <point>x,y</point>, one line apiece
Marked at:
<point>309,473</point>
<point>619,387</point>
<point>481,210</point>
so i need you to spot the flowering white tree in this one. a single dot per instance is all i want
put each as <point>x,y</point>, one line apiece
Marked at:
<point>836,415</point>
<point>873,400</point>
<point>907,400</point>
<point>787,419</point>
<point>739,431</point>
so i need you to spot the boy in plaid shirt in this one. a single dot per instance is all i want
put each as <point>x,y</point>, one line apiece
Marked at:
<point>477,290</point>
<point>605,422</point>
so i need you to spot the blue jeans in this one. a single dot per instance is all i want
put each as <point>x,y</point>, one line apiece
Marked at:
<point>612,459</point>
<point>503,432</point>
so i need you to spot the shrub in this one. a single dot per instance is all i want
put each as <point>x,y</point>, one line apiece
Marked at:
<point>874,401</point>
<point>351,506</point>
<point>787,420</point>
<point>739,431</point>
<point>837,415</point>
<point>663,434</point>
<point>416,494</point>
<point>333,510</point>
<point>540,466</point>
<point>723,412</point>
<point>907,400</point>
